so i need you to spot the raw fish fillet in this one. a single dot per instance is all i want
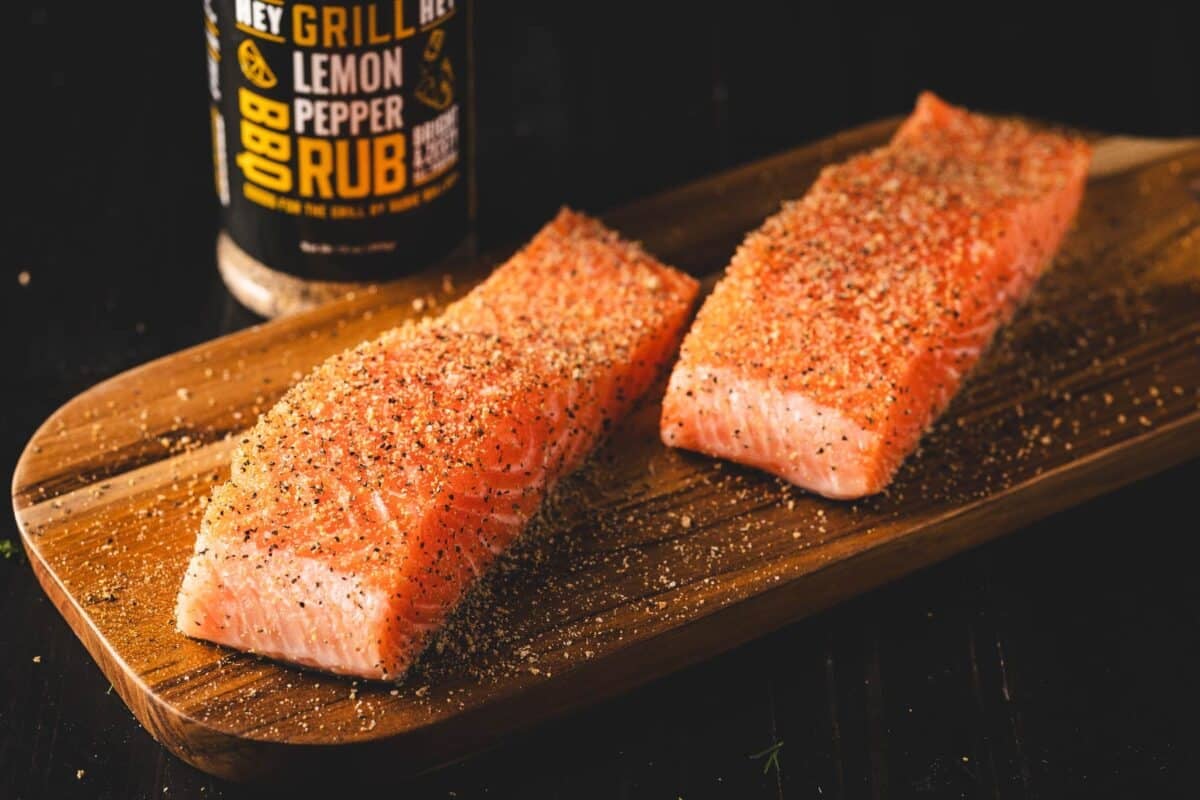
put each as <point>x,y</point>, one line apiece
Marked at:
<point>372,496</point>
<point>844,325</point>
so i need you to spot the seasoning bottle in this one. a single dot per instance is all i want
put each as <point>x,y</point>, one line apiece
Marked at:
<point>341,145</point>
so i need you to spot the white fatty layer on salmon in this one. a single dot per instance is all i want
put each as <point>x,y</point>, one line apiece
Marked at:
<point>785,433</point>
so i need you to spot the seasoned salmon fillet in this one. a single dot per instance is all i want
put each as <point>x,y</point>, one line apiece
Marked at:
<point>844,325</point>
<point>368,500</point>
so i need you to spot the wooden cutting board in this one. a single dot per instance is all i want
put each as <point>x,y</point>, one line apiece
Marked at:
<point>649,559</point>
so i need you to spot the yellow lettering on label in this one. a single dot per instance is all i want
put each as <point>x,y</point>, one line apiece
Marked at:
<point>334,23</point>
<point>265,172</point>
<point>388,162</point>
<point>315,167</point>
<point>353,180</point>
<point>356,24</point>
<point>288,205</point>
<point>373,34</point>
<point>257,195</point>
<point>350,25</point>
<point>404,202</point>
<point>304,25</point>
<point>263,110</point>
<point>401,31</point>
<point>265,142</point>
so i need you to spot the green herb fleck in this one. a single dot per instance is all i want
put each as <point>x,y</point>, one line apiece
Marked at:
<point>7,548</point>
<point>772,757</point>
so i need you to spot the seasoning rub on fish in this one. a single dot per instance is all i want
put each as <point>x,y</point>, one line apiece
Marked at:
<point>369,499</point>
<point>844,325</point>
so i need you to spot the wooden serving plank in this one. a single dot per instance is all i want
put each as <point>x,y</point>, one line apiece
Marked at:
<point>648,559</point>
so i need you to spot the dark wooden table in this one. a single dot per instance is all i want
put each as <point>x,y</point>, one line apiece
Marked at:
<point>1060,661</point>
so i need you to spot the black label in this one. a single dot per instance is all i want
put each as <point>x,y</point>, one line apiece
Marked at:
<point>339,132</point>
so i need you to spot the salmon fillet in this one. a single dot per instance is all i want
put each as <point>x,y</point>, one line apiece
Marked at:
<point>844,325</point>
<point>368,500</point>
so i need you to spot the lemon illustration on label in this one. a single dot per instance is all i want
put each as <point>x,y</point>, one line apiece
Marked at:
<point>254,66</point>
<point>433,48</point>
<point>436,89</point>
<point>435,83</point>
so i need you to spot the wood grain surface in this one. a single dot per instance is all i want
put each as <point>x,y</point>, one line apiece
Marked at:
<point>648,559</point>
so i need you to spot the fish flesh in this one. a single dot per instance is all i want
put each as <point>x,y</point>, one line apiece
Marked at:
<point>363,505</point>
<point>845,323</point>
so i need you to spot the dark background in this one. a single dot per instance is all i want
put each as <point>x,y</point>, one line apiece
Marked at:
<point>1058,662</point>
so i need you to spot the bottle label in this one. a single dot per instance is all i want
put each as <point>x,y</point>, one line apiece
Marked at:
<point>338,132</point>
